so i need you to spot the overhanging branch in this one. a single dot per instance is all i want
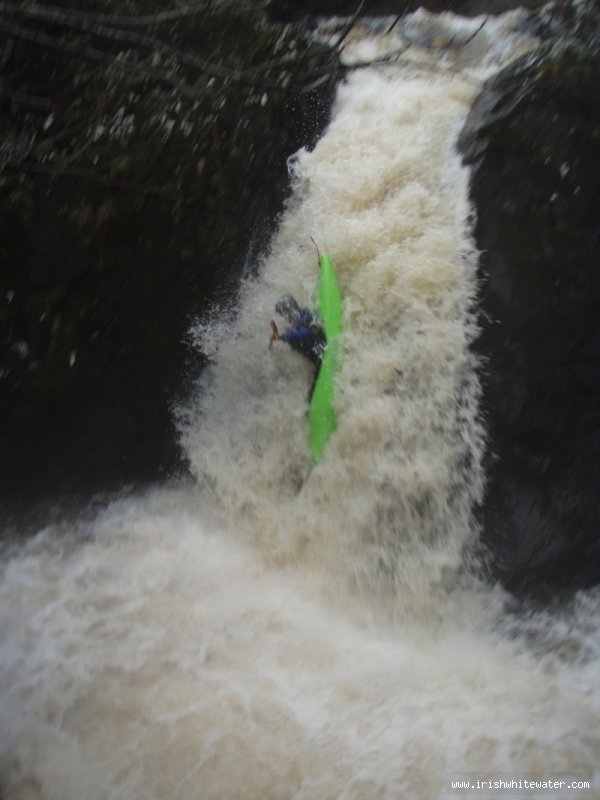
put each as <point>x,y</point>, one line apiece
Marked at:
<point>98,25</point>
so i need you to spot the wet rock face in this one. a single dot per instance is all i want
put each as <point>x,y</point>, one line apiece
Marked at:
<point>533,140</point>
<point>133,182</point>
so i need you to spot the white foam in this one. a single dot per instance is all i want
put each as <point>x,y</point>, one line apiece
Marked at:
<point>385,195</point>
<point>164,658</point>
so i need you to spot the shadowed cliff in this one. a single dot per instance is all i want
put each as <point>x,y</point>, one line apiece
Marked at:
<point>533,140</point>
<point>143,158</point>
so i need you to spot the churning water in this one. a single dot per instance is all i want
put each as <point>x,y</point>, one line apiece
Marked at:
<point>277,631</point>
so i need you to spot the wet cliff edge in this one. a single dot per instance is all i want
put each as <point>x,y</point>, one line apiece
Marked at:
<point>532,140</point>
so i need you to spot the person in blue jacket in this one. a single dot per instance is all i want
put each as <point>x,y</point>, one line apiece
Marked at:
<point>304,334</point>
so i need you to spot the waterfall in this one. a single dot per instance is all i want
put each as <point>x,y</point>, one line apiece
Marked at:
<point>281,631</point>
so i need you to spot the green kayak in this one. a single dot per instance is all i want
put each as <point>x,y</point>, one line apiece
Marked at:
<point>321,414</point>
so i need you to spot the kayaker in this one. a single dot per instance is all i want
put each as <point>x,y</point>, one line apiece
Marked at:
<point>304,333</point>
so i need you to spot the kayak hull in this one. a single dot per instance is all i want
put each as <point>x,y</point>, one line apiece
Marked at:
<point>321,412</point>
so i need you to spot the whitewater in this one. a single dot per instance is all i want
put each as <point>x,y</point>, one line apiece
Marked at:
<point>274,630</point>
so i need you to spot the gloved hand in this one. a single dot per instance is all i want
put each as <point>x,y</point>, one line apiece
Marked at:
<point>274,334</point>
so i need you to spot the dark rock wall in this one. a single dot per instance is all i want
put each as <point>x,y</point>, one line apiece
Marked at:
<point>127,196</point>
<point>533,140</point>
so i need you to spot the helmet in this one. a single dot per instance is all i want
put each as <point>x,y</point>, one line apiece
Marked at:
<point>287,305</point>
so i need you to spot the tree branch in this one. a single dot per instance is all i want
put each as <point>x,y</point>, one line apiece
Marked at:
<point>465,42</point>
<point>317,74</point>
<point>398,18</point>
<point>87,22</point>
<point>79,172</point>
<point>78,48</point>
<point>123,20</point>
<point>27,100</point>
<point>348,27</point>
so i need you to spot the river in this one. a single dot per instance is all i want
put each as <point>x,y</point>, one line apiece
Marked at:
<point>274,630</point>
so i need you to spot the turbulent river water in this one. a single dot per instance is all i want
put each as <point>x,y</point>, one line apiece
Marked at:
<point>276,631</point>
